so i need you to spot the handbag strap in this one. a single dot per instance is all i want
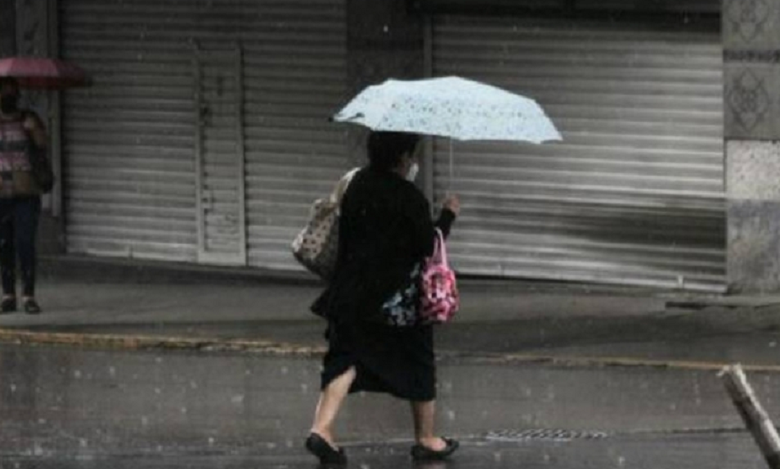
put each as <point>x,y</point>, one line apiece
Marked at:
<point>341,186</point>
<point>440,249</point>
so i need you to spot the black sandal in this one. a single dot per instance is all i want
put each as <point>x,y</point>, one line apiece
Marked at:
<point>31,306</point>
<point>327,455</point>
<point>423,453</point>
<point>8,305</point>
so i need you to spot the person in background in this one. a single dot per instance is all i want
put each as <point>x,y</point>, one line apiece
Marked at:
<point>21,134</point>
<point>385,229</point>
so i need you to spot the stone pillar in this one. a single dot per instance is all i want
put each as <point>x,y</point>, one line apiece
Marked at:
<point>751,39</point>
<point>385,39</point>
<point>7,28</point>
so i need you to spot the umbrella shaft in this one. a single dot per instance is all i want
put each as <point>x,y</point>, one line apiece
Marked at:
<point>449,188</point>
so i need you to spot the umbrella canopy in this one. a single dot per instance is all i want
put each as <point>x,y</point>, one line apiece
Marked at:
<point>42,73</point>
<point>451,107</point>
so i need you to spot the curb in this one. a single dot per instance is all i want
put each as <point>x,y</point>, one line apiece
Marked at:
<point>270,348</point>
<point>136,342</point>
<point>595,362</point>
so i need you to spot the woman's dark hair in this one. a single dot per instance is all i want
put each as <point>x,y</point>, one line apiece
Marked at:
<point>9,81</point>
<point>386,148</point>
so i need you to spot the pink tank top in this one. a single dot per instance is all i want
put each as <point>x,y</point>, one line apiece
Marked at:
<point>15,170</point>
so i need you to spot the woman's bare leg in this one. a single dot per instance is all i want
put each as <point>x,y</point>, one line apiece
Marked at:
<point>424,414</point>
<point>330,402</point>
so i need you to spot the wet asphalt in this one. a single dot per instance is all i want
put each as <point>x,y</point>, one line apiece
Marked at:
<point>530,375</point>
<point>63,407</point>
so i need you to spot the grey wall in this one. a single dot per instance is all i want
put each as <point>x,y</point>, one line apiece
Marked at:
<point>751,39</point>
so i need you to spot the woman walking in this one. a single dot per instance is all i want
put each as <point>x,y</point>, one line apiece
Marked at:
<point>21,134</point>
<point>385,229</point>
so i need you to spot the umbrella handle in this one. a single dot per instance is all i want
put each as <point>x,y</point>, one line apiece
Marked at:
<point>449,185</point>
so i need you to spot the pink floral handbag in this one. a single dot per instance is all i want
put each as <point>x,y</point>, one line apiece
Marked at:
<point>439,300</point>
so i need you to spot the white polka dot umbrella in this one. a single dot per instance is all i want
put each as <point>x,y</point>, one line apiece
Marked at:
<point>451,107</point>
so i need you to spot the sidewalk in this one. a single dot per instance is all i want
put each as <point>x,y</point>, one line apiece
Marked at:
<point>132,304</point>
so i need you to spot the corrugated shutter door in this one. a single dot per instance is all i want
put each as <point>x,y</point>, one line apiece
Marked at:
<point>295,78</point>
<point>634,194</point>
<point>129,140</point>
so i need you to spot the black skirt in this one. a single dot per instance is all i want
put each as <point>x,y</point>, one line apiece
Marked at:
<point>394,360</point>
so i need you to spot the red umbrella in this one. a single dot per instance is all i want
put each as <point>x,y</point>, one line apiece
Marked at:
<point>42,73</point>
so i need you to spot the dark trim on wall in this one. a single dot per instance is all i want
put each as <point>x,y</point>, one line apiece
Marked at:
<point>752,56</point>
<point>567,9</point>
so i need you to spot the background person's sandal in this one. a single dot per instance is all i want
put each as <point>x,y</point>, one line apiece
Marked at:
<point>31,306</point>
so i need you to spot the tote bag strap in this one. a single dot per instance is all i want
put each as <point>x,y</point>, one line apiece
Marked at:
<point>341,186</point>
<point>440,249</point>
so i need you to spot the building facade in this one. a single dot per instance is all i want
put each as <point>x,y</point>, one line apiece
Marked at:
<point>204,137</point>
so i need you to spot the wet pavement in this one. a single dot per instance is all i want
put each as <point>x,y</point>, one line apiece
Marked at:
<point>530,375</point>
<point>73,408</point>
<point>719,451</point>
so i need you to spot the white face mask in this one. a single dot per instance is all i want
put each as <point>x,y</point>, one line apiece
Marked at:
<point>413,170</point>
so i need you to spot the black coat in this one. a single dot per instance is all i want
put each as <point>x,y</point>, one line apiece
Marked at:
<point>385,228</point>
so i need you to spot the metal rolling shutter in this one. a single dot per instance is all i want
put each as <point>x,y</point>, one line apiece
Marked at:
<point>635,193</point>
<point>130,139</point>
<point>295,78</point>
